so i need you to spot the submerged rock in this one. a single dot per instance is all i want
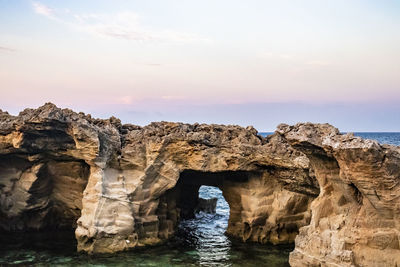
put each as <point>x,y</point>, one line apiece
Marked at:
<point>207,205</point>
<point>124,186</point>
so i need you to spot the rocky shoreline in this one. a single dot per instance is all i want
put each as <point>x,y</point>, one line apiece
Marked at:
<point>124,186</point>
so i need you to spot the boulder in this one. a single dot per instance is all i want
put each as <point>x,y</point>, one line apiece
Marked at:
<point>207,205</point>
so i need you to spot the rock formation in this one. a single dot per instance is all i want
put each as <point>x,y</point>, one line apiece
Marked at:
<point>207,205</point>
<point>125,186</point>
<point>356,217</point>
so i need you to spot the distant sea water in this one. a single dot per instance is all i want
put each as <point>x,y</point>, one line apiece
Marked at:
<point>390,138</point>
<point>383,138</point>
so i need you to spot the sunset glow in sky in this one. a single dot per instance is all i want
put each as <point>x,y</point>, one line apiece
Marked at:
<point>228,61</point>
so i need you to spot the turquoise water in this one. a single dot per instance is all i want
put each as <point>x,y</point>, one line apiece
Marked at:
<point>58,249</point>
<point>199,242</point>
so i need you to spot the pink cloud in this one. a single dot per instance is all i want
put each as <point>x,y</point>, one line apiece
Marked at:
<point>42,9</point>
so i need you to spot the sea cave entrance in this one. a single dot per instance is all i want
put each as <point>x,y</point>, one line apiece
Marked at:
<point>214,239</point>
<point>188,216</point>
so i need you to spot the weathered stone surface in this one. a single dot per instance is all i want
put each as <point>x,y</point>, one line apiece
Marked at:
<point>123,186</point>
<point>46,157</point>
<point>356,218</point>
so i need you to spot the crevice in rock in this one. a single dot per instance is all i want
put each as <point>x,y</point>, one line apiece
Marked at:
<point>356,193</point>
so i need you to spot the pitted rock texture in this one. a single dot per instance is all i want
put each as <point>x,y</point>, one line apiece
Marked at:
<point>356,218</point>
<point>124,186</point>
<point>46,160</point>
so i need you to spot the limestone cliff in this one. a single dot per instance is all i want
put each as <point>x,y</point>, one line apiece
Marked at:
<point>356,218</point>
<point>123,186</point>
<point>46,159</point>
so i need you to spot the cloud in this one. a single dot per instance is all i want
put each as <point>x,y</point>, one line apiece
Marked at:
<point>125,100</point>
<point>123,25</point>
<point>270,55</point>
<point>286,56</point>
<point>293,58</point>
<point>173,97</point>
<point>126,26</point>
<point>318,63</point>
<point>43,10</point>
<point>153,64</point>
<point>6,49</point>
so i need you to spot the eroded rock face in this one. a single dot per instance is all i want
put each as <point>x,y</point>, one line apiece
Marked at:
<point>46,157</point>
<point>123,186</point>
<point>162,166</point>
<point>356,218</point>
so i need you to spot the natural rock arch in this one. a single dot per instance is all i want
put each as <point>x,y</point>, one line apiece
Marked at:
<point>341,193</point>
<point>154,161</point>
<point>255,212</point>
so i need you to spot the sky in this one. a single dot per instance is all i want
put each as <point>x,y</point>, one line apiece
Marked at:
<point>253,62</point>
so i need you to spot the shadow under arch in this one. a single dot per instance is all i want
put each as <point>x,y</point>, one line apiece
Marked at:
<point>210,237</point>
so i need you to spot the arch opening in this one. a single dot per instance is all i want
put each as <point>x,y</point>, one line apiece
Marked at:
<point>241,216</point>
<point>182,201</point>
<point>204,233</point>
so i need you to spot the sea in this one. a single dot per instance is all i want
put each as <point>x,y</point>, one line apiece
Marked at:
<point>389,138</point>
<point>199,242</point>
